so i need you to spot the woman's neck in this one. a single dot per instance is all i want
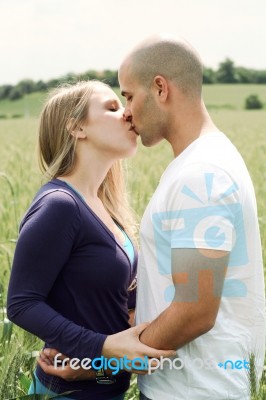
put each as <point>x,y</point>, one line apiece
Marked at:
<point>88,176</point>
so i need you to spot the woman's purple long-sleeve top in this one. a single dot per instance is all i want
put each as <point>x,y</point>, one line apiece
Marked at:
<point>70,278</point>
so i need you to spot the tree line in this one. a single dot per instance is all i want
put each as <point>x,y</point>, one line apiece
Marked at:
<point>227,72</point>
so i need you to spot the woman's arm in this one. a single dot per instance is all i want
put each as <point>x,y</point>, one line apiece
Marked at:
<point>44,245</point>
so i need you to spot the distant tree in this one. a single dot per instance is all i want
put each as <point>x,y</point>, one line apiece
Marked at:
<point>209,76</point>
<point>40,86</point>
<point>53,83</point>
<point>111,77</point>
<point>261,76</point>
<point>15,94</point>
<point>4,91</point>
<point>90,75</point>
<point>253,102</point>
<point>69,78</point>
<point>26,86</point>
<point>226,72</point>
<point>244,75</point>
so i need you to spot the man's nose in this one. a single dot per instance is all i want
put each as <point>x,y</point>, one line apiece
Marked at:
<point>127,115</point>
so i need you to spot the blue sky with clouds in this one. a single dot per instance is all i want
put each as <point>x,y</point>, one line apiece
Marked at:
<point>42,39</point>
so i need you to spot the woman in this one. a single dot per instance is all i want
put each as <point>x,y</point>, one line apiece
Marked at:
<point>75,263</point>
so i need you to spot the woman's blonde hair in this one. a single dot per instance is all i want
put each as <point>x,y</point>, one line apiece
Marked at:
<point>66,108</point>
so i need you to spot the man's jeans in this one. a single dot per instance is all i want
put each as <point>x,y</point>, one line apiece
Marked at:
<point>143,397</point>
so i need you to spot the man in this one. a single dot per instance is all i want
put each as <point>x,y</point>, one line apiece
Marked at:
<point>200,270</point>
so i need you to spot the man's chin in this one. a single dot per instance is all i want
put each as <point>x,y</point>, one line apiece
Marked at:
<point>149,141</point>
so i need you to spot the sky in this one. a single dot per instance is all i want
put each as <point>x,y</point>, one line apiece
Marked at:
<point>44,39</point>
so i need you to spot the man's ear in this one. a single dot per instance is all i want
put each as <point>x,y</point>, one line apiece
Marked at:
<point>75,129</point>
<point>161,88</point>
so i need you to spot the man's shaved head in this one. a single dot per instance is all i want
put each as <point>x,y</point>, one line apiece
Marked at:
<point>174,59</point>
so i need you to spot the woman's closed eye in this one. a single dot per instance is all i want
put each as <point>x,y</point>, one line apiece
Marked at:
<point>113,105</point>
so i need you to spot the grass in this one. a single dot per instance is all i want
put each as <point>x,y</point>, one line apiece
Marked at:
<point>20,178</point>
<point>231,96</point>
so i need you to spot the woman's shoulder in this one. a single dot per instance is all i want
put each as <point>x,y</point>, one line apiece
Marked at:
<point>53,212</point>
<point>55,193</point>
<point>53,202</point>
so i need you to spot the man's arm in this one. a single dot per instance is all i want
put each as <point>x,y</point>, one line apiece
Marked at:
<point>198,277</point>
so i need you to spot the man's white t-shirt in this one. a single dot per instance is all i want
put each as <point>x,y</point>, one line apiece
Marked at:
<point>205,199</point>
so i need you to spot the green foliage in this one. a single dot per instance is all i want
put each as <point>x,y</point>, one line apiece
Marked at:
<point>245,75</point>
<point>4,91</point>
<point>111,77</point>
<point>10,375</point>
<point>26,86</point>
<point>133,391</point>
<point>15,94</point>
<point>226,72</point>
<point>17,116</point>
<point>209,75</point>
<point>253,102</point>
<point>256,392</point>
<point>260,76</point>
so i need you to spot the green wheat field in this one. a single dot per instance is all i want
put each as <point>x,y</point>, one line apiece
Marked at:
<point>20,179</point>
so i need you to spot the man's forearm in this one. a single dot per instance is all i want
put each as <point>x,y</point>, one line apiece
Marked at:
<point>176,326</point>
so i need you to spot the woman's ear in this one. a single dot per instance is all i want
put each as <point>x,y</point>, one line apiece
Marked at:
<point>75,129</point>
<point>161,88</point>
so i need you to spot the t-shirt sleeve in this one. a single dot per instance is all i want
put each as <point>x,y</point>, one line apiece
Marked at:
<point>203,209</point>
<point>45,242</point>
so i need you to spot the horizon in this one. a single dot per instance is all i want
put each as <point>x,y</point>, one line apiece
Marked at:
<point>114,70</point>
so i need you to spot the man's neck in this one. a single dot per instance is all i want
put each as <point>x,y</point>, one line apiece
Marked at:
<point>194,124</point>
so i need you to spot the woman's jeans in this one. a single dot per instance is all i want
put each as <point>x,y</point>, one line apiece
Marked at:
<point>41,389</point>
